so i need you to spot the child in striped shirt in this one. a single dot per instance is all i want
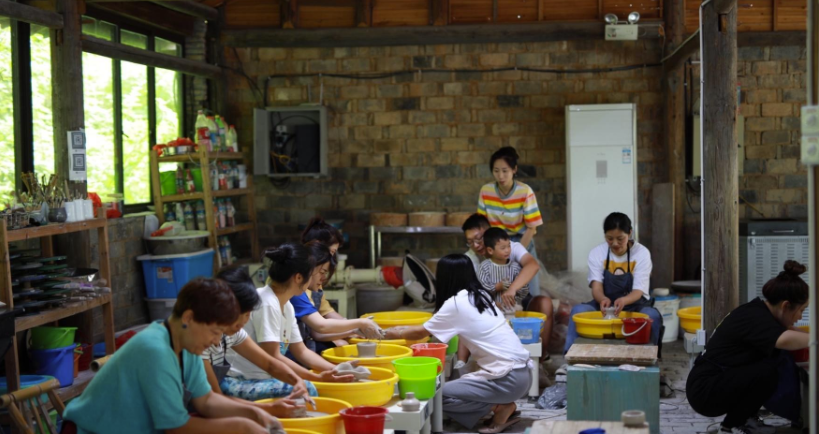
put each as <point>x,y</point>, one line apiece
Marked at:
<point>500,270</point>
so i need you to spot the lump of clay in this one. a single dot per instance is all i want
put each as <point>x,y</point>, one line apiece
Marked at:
<point>274,430</point>
<point>610,313</point>
<point>301,410</point>
<point>359,372</point>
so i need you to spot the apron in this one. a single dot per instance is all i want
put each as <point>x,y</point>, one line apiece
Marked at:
<point>186,395</point>
<point>615,286</point>
<point>221,370</point>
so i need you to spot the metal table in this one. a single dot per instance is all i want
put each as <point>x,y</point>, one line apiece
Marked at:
<point>376,231</point>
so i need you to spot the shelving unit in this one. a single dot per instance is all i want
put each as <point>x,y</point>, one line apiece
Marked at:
<point>204,160</point>
<point>44,234</point>
<point>376,231</point>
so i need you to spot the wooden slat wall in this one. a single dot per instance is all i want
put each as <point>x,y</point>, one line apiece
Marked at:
<point>755,17</point>
<point>790,14</point>
<point>758,16</point>
<point>570,10</point>
<point>251,13</point>
<point>470,11</point>
<point>513,11</point>
<point>647,8</point>
<point>393,13</point>
<point>316,17</point>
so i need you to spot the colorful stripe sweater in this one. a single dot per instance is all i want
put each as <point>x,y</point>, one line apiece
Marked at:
<point>514,212</point>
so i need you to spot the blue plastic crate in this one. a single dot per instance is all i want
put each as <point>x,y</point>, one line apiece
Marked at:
<point>165,275</point>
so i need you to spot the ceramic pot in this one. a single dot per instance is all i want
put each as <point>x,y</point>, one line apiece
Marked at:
<point>366,349</point>
<point>57,215</point>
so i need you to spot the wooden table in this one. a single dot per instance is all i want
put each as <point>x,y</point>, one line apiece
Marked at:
<point>574,427</point>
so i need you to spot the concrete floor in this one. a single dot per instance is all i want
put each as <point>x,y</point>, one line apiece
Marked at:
<point>676,415</point>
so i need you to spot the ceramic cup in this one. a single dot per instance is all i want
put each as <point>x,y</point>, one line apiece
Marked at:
<point>366,349</point>
<point>70,212</point>
<point>79,210</point>
<point>88,209</point>
<point>56,215</point>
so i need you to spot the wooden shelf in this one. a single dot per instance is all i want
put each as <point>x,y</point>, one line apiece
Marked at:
<point>194,157</point>
<point>48,316</point>
<point>182,197</point>
<point>226,155</point>
<point>234,229</point>
<point>79,385</point>
<point>54,229</point>
<point>232,192</point>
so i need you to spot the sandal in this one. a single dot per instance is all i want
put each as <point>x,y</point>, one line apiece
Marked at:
<point>488,420</point>
<point>494,429</point>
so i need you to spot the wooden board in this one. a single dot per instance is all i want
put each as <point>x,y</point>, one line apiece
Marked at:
<point>640,355</point>
<point>317,17</point>
<point>574,427</point>
<point>570,10</point>
<point>516,11</point>
<point>646,8</point>
<point>790,14</point>
<point>662,235</point>
<point>470,11</point>
<point>389,13</point>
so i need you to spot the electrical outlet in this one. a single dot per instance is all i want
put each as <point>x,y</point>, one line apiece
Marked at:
<point>622,32</point>
<point>810,135</point>
<point>701,337</point>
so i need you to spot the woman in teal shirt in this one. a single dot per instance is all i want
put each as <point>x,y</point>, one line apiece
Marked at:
<point>148,385</point>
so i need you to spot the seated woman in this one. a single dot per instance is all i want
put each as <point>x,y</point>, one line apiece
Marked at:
<point>619,274</point>
<point>273,326</point>
<point>738,371</point>
<point>313,299</point>
<point>236,339</point>
<point>310,320</point>
<point>148,385</point>
<point>465,309</point>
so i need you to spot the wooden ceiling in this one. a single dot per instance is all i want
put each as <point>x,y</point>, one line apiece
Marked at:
<point>762,15</point>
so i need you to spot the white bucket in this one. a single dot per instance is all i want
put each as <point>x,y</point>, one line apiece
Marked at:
<point>690,300</point>
<point>668,307</point>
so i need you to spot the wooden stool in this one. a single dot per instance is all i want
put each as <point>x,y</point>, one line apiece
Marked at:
<point>602,393</point>
<point>345,299</point>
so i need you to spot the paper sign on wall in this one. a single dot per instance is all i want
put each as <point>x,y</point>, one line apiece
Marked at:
<point>76,156</point>
<point>626,155</point>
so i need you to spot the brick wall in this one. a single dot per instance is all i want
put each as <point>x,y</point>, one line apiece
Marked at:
<point>196,88</point>
<point>127,283</point>
<point>423,141</point>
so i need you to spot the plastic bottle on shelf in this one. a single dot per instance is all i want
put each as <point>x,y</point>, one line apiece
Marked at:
<point>233,139</point>
<point>180,212</point>
<point>223,185</point>
<point>190,219</point>
<point>231,214</point>
<point>190,186</point>
<point>203,132</point>
<point>216,214</point>
<point>170,215</point>
<point>222,215</point>
<point>242,170</point>
<point>214,133</point>
<point>222,250</point>
<point>220,124</point>
<point>214,177</point>
<point>180,180</point>
<point>228,252</point>
<point>201,222</point>
<point>234,175</point>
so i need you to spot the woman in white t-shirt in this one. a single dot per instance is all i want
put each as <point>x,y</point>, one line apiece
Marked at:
<point>465,309</point>
<point>272,326</point>
<point>619,276</point>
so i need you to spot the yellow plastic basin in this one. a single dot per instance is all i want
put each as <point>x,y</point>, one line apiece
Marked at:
<point>374,393</point>
<point>690,318</point>
<point>386,354</point>
<point>403,318</point>
<point>591,325</point>
<point>300,431</point>
<point>330,424</point>
<point>399,342</point>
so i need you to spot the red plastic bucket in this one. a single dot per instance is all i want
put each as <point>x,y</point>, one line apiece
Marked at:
<point>637,330</point>
<point>430,350</point>
<point>364,420</point>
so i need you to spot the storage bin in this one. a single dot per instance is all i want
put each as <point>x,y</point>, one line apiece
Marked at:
<point>527,329</point>
<point>167,181</point>
<point>166,275</point>
<point>58,363</point>
<point>668,307</point>
<point>160,308</point>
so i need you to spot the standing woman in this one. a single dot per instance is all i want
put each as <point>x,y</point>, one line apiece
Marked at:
<point>149,385</point>
<point>740,369</point>
<point>511,205</point>
<point>465,309</point>
<point>619,276</point>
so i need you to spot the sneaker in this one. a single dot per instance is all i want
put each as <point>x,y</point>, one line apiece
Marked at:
<point>563,370</point>
<point>459,364</point>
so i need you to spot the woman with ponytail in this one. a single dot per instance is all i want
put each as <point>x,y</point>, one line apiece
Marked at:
<point>741,367</point>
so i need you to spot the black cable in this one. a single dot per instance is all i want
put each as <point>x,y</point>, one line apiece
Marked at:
<point>241,71</point>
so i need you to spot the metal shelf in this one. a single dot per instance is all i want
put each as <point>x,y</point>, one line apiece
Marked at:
<point>376,231</point>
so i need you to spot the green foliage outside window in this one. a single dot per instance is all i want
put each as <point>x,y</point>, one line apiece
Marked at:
<point>6,112</point>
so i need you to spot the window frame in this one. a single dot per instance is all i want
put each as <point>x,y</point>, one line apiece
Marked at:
<point>23,106</point>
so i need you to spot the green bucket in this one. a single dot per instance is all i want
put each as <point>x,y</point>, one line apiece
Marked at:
<point>49,338</point>
<point>423,388</point>
<point>167,181</point>
<point>452,346</point>
<point>417,367</point>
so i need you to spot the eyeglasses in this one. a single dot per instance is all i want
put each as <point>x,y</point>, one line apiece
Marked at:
<point>477,242</point>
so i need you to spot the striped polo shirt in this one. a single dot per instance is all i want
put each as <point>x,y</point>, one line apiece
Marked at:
<point>513,212</point>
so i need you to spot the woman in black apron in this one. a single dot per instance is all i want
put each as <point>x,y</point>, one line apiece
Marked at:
<point>151,384</point>
<point>619,272</point>
<point>743,366</point>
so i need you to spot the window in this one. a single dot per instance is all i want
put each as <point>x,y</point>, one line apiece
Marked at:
<point>120,98</point>
<point>6,112</point>
<point>43,133</point>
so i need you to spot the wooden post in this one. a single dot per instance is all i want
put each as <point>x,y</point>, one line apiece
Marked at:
<point>813,199</point>
<point>438,12</point>
<point>289,13</point>
<point>363,13</point>
<point>720,197</point>
<point>673,86</point>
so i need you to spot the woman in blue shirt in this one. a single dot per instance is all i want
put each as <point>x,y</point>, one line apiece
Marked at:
<point>148,385</point>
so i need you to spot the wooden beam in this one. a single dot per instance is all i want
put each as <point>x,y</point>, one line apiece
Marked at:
<point>150,15</point>
<point>812,79</point>
<point>148,58</point>
<point>29,14</point>
<point>771,39</point>
<point>720,191</point>
<point>191,8</point>
<point>423,35</point>
<point>438,12</point>
<point>724,6</point>
<point>364,13</point>
<point>289,13</point>
<point>674,89</point>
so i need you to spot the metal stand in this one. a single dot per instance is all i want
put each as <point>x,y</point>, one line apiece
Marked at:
<point>535,351</point>
<point>428,419</point>
<point>345,299</point>
<point>376,231</point>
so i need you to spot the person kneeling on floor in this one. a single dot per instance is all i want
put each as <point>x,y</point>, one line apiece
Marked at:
<point>464,308</point>
<point>741,367</point>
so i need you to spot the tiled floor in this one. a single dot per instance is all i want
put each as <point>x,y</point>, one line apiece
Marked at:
<point>676,415</point>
